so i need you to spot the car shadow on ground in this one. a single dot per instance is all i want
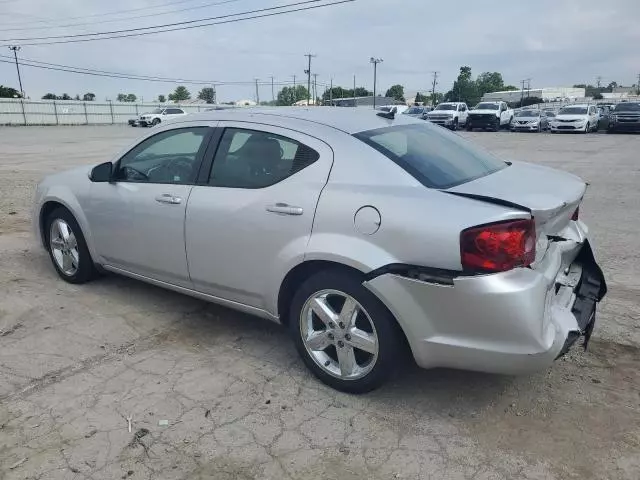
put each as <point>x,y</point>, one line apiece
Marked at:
<point>207,325</point>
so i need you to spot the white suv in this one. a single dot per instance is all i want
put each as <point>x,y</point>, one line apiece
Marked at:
<point>576,118</point>
<point>449,114</point>
<point>160,115</point>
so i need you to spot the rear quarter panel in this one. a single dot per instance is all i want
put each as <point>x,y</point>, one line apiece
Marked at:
<point>419,226</point>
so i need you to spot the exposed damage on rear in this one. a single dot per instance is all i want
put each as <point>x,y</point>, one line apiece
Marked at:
<point>516,316</point>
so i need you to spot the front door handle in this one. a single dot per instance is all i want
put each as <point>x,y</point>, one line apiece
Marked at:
<point>285,209</point>
<point>168,198</point>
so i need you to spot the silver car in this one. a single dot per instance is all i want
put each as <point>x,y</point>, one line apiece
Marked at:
<point>366,235</point>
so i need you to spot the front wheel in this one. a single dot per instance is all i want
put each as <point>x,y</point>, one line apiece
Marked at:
<point>587,128</point>
<point>344,334</point>
<point>68,248</point>
<point>454,125</point>
<point>155,122</point>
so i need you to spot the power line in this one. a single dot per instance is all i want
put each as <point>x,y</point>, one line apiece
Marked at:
<point>192,26</point>
<point>151,7</point>
<point>146,78</point>
<point>140,29</point>
<point>126,19</point>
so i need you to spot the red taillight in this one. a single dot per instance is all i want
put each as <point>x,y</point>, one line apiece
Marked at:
<point>576,214</point>
<point>499,246</point>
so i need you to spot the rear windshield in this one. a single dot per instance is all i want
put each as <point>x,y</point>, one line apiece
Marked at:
<point>528,113</point>
<point>627,107</point>
<point>432,155</point>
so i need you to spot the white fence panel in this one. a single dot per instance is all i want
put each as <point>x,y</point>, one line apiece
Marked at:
<point>14,111</point>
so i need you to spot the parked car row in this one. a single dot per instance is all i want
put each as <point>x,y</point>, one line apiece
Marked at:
<point>583,118</point>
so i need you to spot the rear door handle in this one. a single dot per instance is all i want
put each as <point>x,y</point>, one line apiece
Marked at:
<point>285,209</point>
<point>168,198</point>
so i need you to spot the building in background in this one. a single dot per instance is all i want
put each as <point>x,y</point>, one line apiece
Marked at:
<point>551,94</point>
<point>363,101</point>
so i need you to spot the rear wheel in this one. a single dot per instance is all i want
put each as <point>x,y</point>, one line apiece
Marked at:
<point>68,248</point>
<point>344,334</point>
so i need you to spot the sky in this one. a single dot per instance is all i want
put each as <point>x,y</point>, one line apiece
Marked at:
<point>553,42</point>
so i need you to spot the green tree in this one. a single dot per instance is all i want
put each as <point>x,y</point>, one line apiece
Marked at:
<point>180,93</point>
<point>89,97</point>
<point>597,96</point>
<point>122,97</point>
<point>420,98</point>
<point>510,88</point>
<point>50,96</point>
<point>162,98</point>
<point>131,98</point>
<point>436,98</point>
<point>464,88</point>
<point>8,92</point>
<point>64,97</point>
<point>207,94</point>
<point>489,82</point>
<point>77,97</point>
<point>396,92</point>
<point>612,85</point>
<point>362,92</point>
<point>289,95</point>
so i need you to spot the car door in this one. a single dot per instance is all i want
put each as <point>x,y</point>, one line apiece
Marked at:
<point>250,220</point>
<point>137,219</point>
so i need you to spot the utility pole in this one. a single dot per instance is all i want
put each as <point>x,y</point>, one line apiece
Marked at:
<point>257,93</point>
<point>16,49</point>
<point>433,88</point>
<point>375,62</point>
<point>273,95</point>
<point>638,85</point>
<point>354,90</point>
<point>295,94</point>
<point>331,93</point>
<point>308,72</point>
<point>522,91</point>
<point>215,99</point>
<point>528,87</point>
<point>315,87</point>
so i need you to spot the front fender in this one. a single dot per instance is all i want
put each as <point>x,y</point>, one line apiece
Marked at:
<point>72,201</point>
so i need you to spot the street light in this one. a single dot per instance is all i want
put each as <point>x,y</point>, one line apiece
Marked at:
<point>375,62</point>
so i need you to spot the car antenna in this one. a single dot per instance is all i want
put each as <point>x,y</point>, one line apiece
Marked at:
<point>391,114</point>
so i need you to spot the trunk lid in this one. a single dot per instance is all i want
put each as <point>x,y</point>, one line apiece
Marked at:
<point>551,196</point>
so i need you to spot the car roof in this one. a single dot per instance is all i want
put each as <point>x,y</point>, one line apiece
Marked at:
<point>347,119</point>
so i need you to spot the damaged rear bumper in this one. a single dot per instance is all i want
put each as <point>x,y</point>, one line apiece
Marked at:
<point>511,322</point>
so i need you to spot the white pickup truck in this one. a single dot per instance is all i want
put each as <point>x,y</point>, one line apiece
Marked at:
<point>490,115</point>
<point>449,114</point>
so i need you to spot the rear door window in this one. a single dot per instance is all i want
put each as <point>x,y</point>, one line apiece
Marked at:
<point>433,156</point>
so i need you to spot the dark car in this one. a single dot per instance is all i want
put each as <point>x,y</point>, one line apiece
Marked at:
<point>625,118</point>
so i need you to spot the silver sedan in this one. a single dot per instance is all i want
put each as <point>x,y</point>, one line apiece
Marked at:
<point>365,234</point>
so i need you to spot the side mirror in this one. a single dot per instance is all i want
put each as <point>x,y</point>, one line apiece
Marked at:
<point>101,173</point>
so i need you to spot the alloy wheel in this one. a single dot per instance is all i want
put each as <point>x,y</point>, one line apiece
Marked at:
<point>338,334</point>
<point>64,247</point>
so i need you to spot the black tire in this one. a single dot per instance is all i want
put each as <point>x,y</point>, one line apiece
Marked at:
<point>469,127</point>
<point>454,125</point>
<point>155,122</point>
<point>86,270</point>
<point>388,332</point>
<point>587,129</point>
<point>496,126</point>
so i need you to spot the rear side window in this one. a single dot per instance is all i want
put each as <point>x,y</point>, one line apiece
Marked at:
<point>256,159</point>
<point>432,155</point>
<point>173,111</point>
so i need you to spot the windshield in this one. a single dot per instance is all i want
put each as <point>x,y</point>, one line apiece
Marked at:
<point>573,111</point>
<point>550,114</point>
<point>627,107</point>
<point>432,155</point>
<point>528,113</point>
<point>487,106</point>
<point>157,110</point>
<point>414,110</point>
<point>445,106</point>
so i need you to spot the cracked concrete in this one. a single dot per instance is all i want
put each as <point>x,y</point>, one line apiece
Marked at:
<point>76,361</point>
